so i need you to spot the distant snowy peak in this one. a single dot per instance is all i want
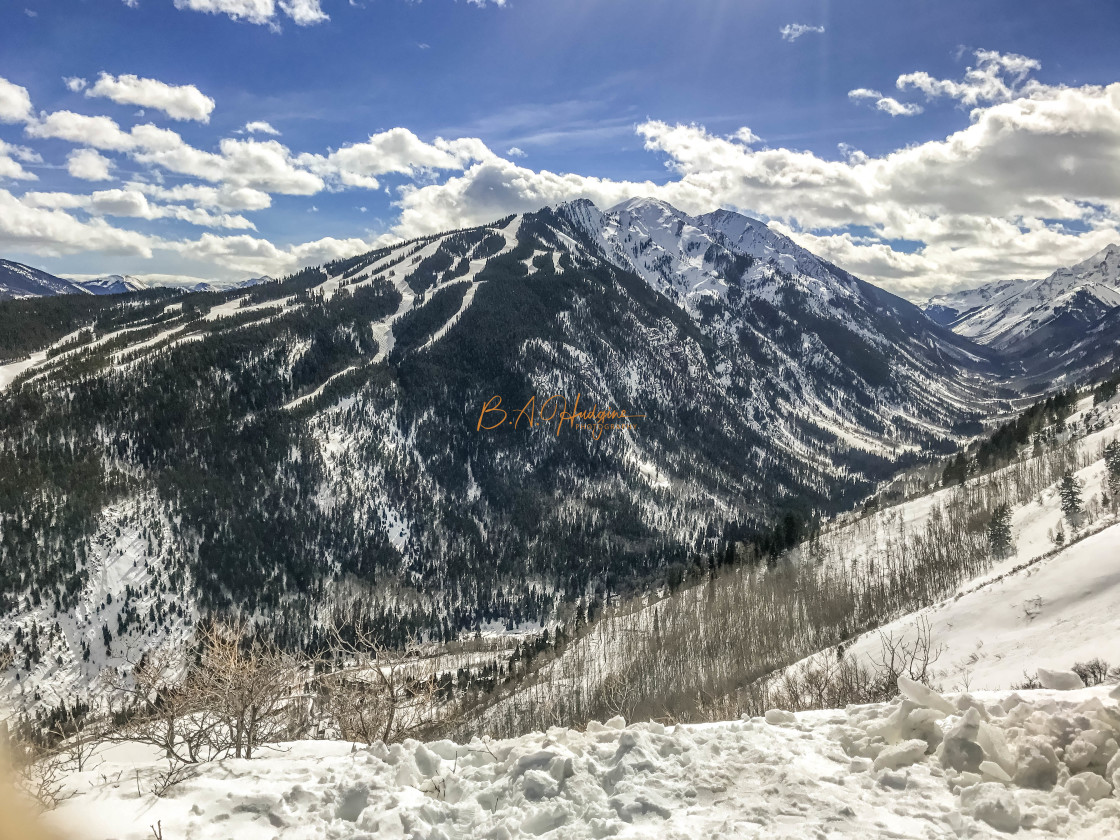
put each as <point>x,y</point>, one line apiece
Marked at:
<point>21,281</point>
<point>119,284</point>
<point>1007,313</point>
<point>113,284</point>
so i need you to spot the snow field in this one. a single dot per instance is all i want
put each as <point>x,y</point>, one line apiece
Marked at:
<point>1043,763</point>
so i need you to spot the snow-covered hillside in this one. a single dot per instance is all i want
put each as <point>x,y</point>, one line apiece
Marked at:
<point>21,281</point>
<point>1006,313</point>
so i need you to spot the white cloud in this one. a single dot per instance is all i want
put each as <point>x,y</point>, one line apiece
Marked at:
<point>395,151</point>
<point>792,31</point>
<point>1031,182</point>
<point>15,102</point>
<point>221,198</point>
<point>885,103</point>
<point>180,102</point>
<point>995,78</point>
<point>55,232</point>
<point>97,132</point>
<point>301,12</point>
<point>515,152</point>
<point>75,84</point>
<point>267,166</point>
<point>263,166</point>
<point>260,127</point>
<point>1002,197</point>
<point>10,166</point>
<point>253,11</point>
<point>88,165</point>
<point>132,203</point>
<point>244,253</point>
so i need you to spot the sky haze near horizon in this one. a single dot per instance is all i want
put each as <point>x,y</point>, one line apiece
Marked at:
<point>923,146</point>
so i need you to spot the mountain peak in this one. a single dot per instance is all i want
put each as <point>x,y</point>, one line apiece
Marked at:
<point>1106,261</point>
<point>646,206</point>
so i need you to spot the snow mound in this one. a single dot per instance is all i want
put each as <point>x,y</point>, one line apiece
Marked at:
<point>1038,764</point>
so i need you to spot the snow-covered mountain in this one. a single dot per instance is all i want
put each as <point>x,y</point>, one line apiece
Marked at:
<point>22,281</point>
<point>311,426</point>
<point>1020,315</point>
<point>112,284</point>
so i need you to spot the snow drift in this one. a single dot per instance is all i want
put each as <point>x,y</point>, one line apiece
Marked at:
<point>1037,763</point>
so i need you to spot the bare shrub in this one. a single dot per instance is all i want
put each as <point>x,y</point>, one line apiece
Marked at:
<point>1093,672</point>
<point>833,682</point>
<point>381,694</point>
<point>231,695</point>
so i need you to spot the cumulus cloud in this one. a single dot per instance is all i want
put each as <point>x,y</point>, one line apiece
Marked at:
<point>303,12</point>
<point>1031,182</point>
<point>15,102</point>
<point>267,166</point>
<point>52,232</point>
<point>396,151</point>
<point>130,202</point>
<point>225,197</point>
<point>792,31</point>
<point>244,253</point>
<point>88,165</point>
<point>97,132</point>
<point>180,102</point>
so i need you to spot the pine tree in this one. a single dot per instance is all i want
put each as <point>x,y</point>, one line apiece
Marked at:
<point>999,531</point>
<point>1070,492</point>
<point>1112,462</point>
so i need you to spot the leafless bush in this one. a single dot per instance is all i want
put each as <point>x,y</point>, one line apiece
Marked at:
<point>907,657</point>
<point>44,780</point>
<point>832,682</point>
<point>1093,672</point>
<point>231,695</point>
<point>175,773</point>
<point>381,694</point>
<point>619,695</point>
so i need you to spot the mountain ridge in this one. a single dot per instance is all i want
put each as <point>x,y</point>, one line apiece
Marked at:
<point>1007,314</point>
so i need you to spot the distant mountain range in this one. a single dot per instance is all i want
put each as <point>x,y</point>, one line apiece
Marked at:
<point>1074,311</point>
<point>22,281</point>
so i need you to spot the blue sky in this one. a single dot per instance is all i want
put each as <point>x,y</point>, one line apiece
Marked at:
<point>946,180</point>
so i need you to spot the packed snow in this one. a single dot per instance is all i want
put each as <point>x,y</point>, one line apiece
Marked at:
<point>1043,764</point>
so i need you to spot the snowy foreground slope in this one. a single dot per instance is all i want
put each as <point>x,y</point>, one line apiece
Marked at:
<point>1039,763</point>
